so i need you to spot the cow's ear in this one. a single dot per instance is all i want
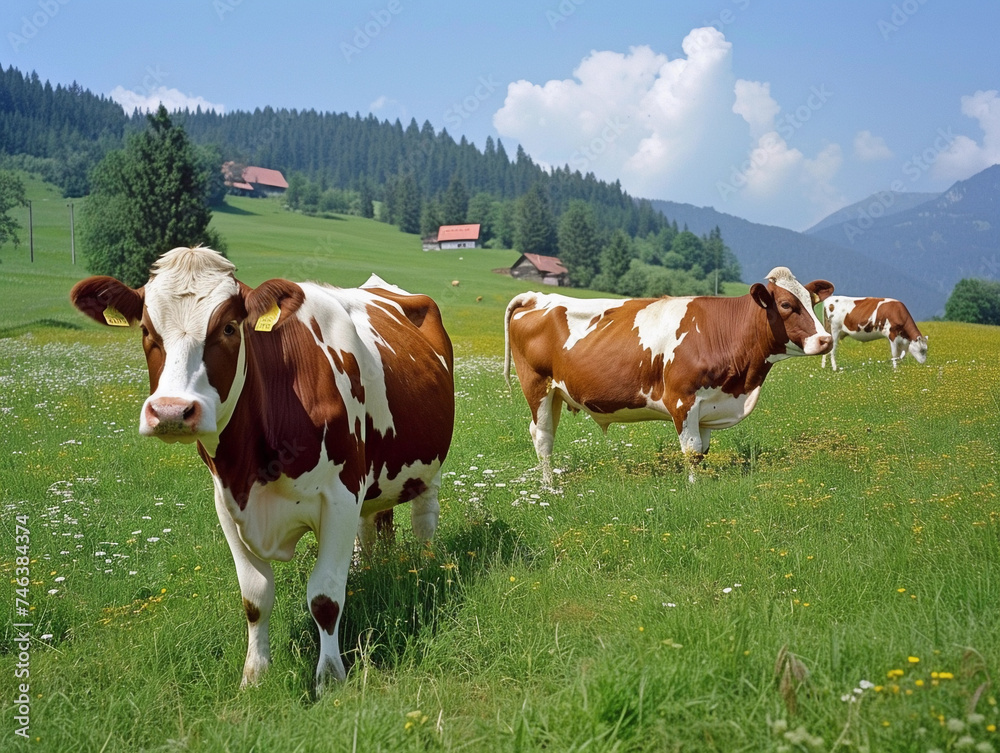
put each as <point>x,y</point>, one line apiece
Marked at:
<point>761,295</point>
<point>108,301</point>
<point>272,303</point>
<point>820,290</point>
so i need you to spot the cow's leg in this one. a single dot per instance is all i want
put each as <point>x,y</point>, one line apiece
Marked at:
<point>425,510</point>
<point>694,440</point>
<point>378,526</point>
<point>328,582</point>
<point>257,588</point>
<point>543,432</point>
<point>836,336</point>
<point>894,352</point>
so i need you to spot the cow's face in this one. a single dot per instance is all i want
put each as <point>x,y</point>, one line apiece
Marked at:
<point>789,305</point>
<point>918,348</point>
<point>191,314</point>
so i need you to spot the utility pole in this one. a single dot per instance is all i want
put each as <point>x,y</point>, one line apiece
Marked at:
<point>72,234</point>
<point>31,233</point>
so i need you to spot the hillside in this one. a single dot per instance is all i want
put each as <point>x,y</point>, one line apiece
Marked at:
<point>939,241</point>
<point>760,248</point>
<point>884,203</point>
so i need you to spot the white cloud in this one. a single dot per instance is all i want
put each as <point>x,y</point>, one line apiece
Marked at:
<point>389,109</point>
<point>755,105</point>
<point>684,129</point>
<point>870,148</point>
<point>149,101</point>
<point>964,157</point>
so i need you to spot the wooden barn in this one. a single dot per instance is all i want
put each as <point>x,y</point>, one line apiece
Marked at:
<point>453,236</point>
<point>547,270</point>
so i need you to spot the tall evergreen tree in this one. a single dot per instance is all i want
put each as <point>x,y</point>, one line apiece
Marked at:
<point>579,243</point>
<point>616,258</point>
<point>146,199</point>
<point>480,212</point>
<point>535,227</point>
<point>456,202</point>
<point>367,203</point>
<point>431,218</point>
<point>408,204</point>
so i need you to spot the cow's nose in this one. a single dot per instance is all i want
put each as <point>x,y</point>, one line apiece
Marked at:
<point>172,415</point>
<point>825,343</point>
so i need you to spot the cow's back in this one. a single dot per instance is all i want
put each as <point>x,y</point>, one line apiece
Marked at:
<point>408,354</point>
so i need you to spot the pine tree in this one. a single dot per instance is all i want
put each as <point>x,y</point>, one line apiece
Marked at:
<point>367,203</point>
<point>408,204</point>
<point>579,244</point>
<point>535,229</point>
<point>146,199</point>
<point>456,202</point>
<point>616,258</point>
<point>431,218</point>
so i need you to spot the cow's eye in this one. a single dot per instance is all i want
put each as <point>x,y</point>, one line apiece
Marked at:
<point>230,329</point>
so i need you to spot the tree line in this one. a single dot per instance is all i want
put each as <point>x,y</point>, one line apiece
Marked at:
<point>414,177</point>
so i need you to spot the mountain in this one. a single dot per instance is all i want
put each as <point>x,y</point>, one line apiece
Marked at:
<point>760,248</point>
<point>884,204</point>
<point>938,242</point>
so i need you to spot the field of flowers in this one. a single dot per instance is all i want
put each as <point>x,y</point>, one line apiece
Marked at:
<point>828,583</point>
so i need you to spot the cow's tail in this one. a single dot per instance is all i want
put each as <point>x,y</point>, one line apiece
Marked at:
<point>518,301</point>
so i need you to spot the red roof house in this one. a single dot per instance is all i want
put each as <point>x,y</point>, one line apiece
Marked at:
<point>453,236</point>
<point>254,181</point>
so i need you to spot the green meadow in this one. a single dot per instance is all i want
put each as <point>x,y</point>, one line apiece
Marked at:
<point>829,583</point>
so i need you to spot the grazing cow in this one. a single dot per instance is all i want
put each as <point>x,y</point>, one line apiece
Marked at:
<point>869,319</point>
<point>315,408</point>
<point>699,362</point>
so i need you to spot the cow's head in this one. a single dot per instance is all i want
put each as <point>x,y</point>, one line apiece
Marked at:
<point>192,313</point>
<point>789,306</point>
<point>918,348</point>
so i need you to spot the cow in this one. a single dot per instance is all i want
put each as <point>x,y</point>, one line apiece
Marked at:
<point>315,408</point>
<point>697,361</point>
<point>869,319</point>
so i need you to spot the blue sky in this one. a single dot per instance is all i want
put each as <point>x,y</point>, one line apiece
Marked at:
<point>779,111</point>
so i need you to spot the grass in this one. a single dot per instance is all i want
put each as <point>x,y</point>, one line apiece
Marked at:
<point>849,528</point>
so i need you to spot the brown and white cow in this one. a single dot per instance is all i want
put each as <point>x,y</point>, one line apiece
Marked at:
<point>699,362</point>
<point>869,319</point>
<point>314,408</point>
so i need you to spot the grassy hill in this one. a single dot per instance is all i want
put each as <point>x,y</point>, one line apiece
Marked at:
<point>829,583</point>
<point>267,241</point>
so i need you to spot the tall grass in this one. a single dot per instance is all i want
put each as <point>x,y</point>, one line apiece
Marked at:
<point>849,528</point>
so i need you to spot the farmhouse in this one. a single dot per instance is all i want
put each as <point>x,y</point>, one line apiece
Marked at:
<point>254,181</point>
<point>547,270</point>
<point>453,236</point>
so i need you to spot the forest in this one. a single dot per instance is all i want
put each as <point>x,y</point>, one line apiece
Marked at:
<point>417,177</point>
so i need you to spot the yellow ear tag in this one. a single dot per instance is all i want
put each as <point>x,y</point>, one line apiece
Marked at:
<point>114,317</point>
<point>267,320</point>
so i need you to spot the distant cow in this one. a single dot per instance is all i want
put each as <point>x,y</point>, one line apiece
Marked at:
<point>699,362</point>
<point>869,319</point>
<point>312,406</point>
